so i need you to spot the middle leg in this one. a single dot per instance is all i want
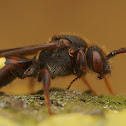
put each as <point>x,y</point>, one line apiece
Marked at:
<point>45,76</point>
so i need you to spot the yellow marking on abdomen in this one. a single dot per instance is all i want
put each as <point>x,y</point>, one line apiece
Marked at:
<point>2,62</point>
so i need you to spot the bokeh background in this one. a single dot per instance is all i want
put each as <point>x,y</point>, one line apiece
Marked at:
<point>103,22</point>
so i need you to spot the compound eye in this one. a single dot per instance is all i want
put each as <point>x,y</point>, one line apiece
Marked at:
<point>97,62</point>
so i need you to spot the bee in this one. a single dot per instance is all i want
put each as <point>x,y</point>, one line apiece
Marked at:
<point>63,55</point>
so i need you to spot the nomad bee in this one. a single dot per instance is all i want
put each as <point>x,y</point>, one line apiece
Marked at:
<point>63,55</point>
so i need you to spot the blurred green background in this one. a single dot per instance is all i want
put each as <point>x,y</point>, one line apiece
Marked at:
<point>28,22</point>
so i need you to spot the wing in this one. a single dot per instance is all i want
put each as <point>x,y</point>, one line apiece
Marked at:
<point>27,49</point>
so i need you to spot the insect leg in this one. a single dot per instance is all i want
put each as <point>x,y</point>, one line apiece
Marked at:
<point>81,62</point>
<point>45,76</point>
<point>11,68</point>
<point>5,75</point>
<point>72,82</point>
<point>108,86</point>
<point>17,71</point>
<point>88,85</point>
<point>19,65</point>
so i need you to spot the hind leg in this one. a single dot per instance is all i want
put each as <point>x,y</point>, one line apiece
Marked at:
<point>6,75</point>
<point>13,67</point>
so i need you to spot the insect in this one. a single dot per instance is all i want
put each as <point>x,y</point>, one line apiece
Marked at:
<point>63,55</point>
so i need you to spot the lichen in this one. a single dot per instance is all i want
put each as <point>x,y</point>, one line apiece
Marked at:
<point>31,109</point>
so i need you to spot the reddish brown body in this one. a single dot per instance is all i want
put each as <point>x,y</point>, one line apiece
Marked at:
<point>63,55</point>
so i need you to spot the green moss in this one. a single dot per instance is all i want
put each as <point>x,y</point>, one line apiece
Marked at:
<point>31,108</point>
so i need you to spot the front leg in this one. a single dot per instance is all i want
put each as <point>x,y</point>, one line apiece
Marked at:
<point>81,64</point>
<point>45,76</point>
